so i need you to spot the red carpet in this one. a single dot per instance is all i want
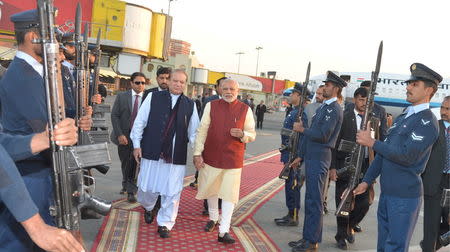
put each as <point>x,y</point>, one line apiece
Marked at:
<point>125,230</point>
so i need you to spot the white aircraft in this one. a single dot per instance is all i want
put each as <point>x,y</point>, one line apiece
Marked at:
<point>391,90</point>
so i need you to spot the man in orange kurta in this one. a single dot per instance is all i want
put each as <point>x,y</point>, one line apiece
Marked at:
<point>227,124</point>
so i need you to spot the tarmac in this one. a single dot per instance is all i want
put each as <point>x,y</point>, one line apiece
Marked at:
<point>268,139</point>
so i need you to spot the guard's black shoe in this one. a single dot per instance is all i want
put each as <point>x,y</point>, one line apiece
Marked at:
<point>296,243</point>
<point>148,217</point>
<point>289,222</point>
<point>357,229</point>
<point>164,232</point>
<point>210,225</point>
<point>284,218</point>
<point>341,244</point>
<point>131,198</point>
<point>226,239</point>
<point>351,238</point>
<point>305,246</point>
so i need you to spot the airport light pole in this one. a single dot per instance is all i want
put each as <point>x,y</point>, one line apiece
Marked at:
<point>168,9</point>
<point>239,60</point>
<point>257,59</point>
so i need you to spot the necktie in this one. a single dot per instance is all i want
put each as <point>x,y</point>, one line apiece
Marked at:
<point>135,110</point>
<point>360,122</point>
<point>447,159</point>
<point>366,149</point>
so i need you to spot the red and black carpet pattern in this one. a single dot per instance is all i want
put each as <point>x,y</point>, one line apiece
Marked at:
<point>124,229</point>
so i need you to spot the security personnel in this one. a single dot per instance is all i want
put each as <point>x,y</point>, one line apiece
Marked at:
<point>351,124</point>
<point>378,111</point>
<point>15,197</point>
<point>292,184</point>
<point>400,160</point>
<point>436,178</point>
<point>315,151</point>
<point>24,111</point>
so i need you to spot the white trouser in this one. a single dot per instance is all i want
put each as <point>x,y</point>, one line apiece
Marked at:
<point>227,212</point>
<point>169,206</point>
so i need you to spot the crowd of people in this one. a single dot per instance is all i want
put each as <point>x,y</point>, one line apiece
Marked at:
<point>154,127</point>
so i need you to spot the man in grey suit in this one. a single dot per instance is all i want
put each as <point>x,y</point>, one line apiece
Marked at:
<point>436,178</point>
<point>123,113</point>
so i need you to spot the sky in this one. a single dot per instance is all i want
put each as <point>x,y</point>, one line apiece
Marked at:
<point>334,35</point>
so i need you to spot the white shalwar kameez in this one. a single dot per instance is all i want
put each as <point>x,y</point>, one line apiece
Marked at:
<point>158,177</point>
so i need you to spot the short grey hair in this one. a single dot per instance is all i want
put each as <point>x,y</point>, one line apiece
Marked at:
<point>230,80</point>
<point>447,98</point>
<point>179,70</point>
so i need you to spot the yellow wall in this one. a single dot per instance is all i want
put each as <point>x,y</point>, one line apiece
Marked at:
<point>111,13</point>
<point>157,36</point>
<point>289,84</point>
<point>214,76</point>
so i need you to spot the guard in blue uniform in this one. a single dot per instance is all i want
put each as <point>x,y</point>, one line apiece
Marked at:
<point>400,160</point>
<point>315,151</point>
<point>24,111</point>
<point>292,184</point>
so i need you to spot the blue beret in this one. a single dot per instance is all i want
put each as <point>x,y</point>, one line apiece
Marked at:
<point>421,72</point>
<point>332,77</point>
<point>25,20</point>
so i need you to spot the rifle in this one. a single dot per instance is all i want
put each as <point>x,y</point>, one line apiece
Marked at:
<point>99,109</point>
<point>93,138</point>
<point>354,162</point>
<point>294,136</point>
<point>68,162</point>
<point>82,77</point>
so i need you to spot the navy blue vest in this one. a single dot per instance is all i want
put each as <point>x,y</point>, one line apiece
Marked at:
<point>157,119</point>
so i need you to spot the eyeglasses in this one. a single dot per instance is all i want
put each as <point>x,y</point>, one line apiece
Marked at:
<point>139,82</point>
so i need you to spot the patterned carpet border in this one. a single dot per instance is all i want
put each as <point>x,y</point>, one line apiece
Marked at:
<point>118,232</point>
<point>122,231</point>
<point>253,237</point>
<point>250,204</point>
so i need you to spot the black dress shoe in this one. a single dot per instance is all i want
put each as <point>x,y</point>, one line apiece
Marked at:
<point>341,244</point>
<point>305,246</point>
<point>357,229</point>
<point>226,239</point>
<point>148,217</point>
<point>287,223</point>
<point>164,232</point>
<point>284,218</point>
<point>351,238</point>
<point>295,243</point>
<point>210,226</point>
<point>131,198</point>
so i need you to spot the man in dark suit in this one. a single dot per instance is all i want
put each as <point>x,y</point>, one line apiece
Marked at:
<point>123,113</point>
<point>350,125</point>
<point>378,110</point>
<point>436,178</point>
<point>162,77</point>
<point>260,110</point>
